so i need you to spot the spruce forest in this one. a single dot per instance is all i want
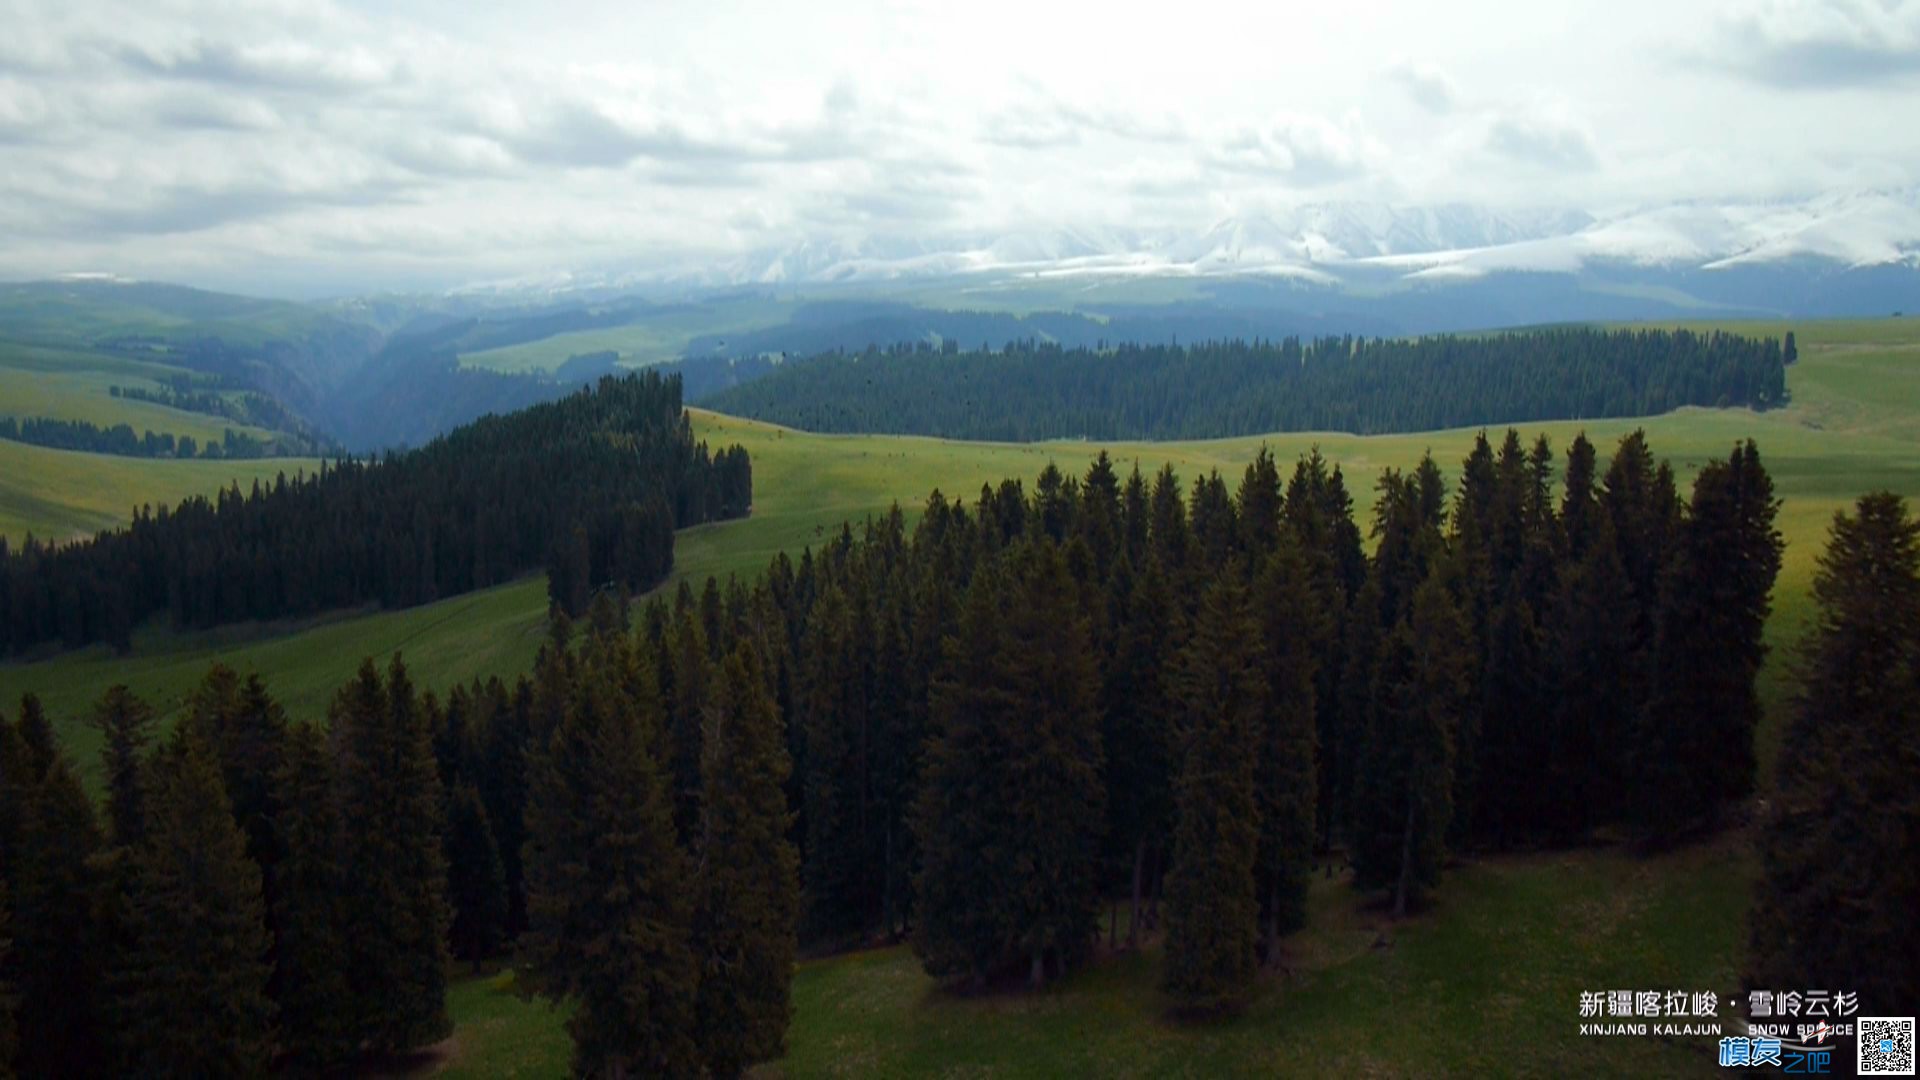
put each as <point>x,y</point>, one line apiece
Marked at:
<point>590,487</point>
<point>1039,726</point>
<point>1030,390</point>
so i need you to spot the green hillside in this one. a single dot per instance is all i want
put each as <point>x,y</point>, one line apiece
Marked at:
<point>78,313</point>
<point>656,336</point>
<point>806,485</point>
<point>63,494</point>
<point>48,382</point>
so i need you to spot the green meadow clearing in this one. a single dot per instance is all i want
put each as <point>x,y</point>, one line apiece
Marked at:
<point>657,337</point>
<point>46,382</point>
<point>64,494</point>
<point>1486,982</point>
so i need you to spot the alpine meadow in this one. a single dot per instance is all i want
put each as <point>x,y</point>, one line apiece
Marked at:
<point>717,543</point>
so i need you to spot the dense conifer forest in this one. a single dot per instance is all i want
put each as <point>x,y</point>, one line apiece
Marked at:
<point>972,735</point>
<point>120,439</point>
<point>1028,391</point>
<point>590,486</point>
<point>991,735</point>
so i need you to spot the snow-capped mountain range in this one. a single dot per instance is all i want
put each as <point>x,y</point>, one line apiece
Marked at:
<point>1334,245</point>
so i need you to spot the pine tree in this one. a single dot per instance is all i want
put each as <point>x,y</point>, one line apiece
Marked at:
<point>1057,803</point>
<point>1137,733</point>
<point>1011,808</point>
<point>686,707</point>
<point>1579,509</point>
<point>1588,742</point>
<point>1694,746</point>
<point>962,865</point>
<point>1260,506</point>
<point>1292,626</point>
<point>1406,796</point>
<point>191,996</point>
<point>609,905</point>
<point>1169,532</point>
<point>246,729</point>
<point>9,1001</point>
<point>396,875</point>
<point>1320,515</point>
<point>840,901</point>
<point>1639,500</point>
<point>475,885</point>
<point>318,1015</point>
<point>504,787</point>
<point>125,724</point>
<point>1839,832</point>
<point>1213,907</point>
<point>748,878</point>
<point>51,874</point>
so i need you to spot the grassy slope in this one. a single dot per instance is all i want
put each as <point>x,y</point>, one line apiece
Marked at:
<point>61,494</point>
<point>65,384</point>
<point>657,338</point>
<point>1849,431</point>
<point>1494,972</point>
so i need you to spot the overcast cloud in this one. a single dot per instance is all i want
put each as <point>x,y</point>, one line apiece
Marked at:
<point>308,147</point>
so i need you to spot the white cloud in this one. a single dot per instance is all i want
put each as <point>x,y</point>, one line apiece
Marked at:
<point>1821,43</point>
<point>429,141</point>
<point>1428,85</point>
<point>1546,139</point>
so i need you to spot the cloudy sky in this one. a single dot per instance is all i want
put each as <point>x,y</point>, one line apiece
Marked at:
<point>304,147</point>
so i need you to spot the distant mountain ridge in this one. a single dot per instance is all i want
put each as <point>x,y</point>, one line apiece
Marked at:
<point>1325,243</point>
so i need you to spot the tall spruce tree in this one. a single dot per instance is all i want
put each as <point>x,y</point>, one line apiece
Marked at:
<point>840,900</point>
<point>1639,500</point>
<point>747,882</point>
<point>396,874</point>
<point>1406,795</point>
<point>126,726</point>
<point>52,874</point>
<point>1840,830</point>
<point>191,994</point>
<point>1292,628</point>
<point>690,693</point>
<point>475,885</point>
<point>1320,514</point>
<point>609,903</point>
<point>1058,806</point>
<point>504,786</point>
<point>963,863</point>
<point>1138,725</point>
<point>246,729</point>
<point>319,1020</point>
<point>1010,816</point>
<point>1589,741</point>
<point>1213,907</point>
<point>1694,746</point>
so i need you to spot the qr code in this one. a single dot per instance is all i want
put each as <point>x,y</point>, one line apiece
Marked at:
<point>1885,1046</point>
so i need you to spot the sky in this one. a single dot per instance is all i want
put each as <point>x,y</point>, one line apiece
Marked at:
<point>303,147</point>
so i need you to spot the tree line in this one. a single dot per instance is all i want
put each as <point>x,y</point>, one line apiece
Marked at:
<point>592,485</point>
<point>295,435</point>
<point>120,439</point>
<point>1031,390</point>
